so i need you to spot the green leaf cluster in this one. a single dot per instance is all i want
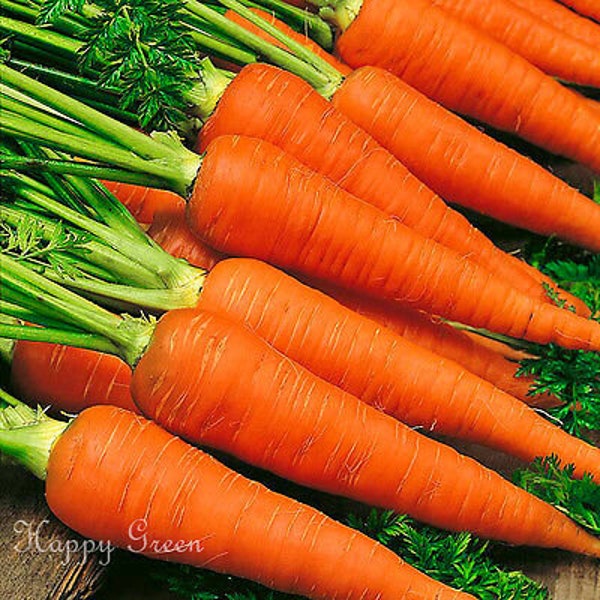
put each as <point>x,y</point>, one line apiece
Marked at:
<point>579,498</point>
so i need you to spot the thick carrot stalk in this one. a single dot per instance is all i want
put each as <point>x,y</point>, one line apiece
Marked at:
<point>164,499</point>
<point>564,19</point>
<point>455,164</point>
<point>587,8</point>
<point>542,44</point>
<point>463,165</point>
<point>323,232</point>
<point>471,73</point>
<point>69,379</point>
<point>143,202</point>
<point>274,105</point>
<point>274,414</point>
<point>385,370</point>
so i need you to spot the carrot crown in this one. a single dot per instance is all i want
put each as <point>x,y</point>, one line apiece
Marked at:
<point>27,435</point>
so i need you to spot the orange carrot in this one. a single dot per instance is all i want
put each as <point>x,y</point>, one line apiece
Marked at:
<point>170,230</point>
<point>162,498</point>
<point>271,104</point>
<point>587,8</point>
<point>463,165</point>
<point>323,232</point>
<point>542,44</point>
<point>564,19</point>
<point>423,330</point>
<point>385,370</point>
<point>455,162</point>
<point>471,73</point>
<point>69,379</point>
<point>474,355</point>
<point>143,202</point>
<point>272,413</point>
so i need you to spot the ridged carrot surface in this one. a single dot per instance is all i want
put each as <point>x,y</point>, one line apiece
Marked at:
<point>144,202</point>
<point>542,44</point>
<point>382,368</point>
<point>471,73</point>
<point>564,19</point>
<point>274,105</point>
<point>463,165</point>
<point>157,491</point>
<point>69,379</point>
<point>216,384</point>
<point>320,231</point>
<point>452,151</point>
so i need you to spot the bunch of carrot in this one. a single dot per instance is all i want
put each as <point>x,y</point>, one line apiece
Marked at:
<point>338,185</point>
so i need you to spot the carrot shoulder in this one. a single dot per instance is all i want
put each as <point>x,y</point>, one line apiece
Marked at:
<point>164,499</point>
<point>473,74</point>
<point>216,384</point>
<point>248,186</point>
<point>543,45</point>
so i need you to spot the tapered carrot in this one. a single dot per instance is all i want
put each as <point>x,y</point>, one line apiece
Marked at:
<point>564,19</point>
<point>69,379</point>
<point>382,368</point>
<point>275,415</point>
<point>542,44</point>
<point>271,104</point>
<point>416,327</point>
<point>165,499</point>
<point>315,221</point>
<point>459,163</point>
<point>455,159</point>
<point>143,202</point>
<point>471,73</point>
<point>587,8</point>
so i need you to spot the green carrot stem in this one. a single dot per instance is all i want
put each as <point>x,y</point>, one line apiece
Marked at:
<point>28,435</point>
<point>44,38</point>
<point>24,165</point>
<point>108,128</point>
<point>314,26</point>
<point>214,46</point>
<point>320,78</point>
<point>205,95</point>
<point>21,313</point>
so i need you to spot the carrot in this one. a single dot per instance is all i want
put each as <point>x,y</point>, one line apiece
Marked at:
<point>564,19</point>
<point>171,231</point>
<point>587,8</point>
<point>164,499</point>
<point>325,233</point>
<point>270,412</point>
<point>456,159</point>
<point>475,356</point>
<point>271,104</point>
<point>69,379</point>
<point>143,202</point>
<point>416,327</point>
<point>542,44</point>
<point>470,73</point>
<point>463,165</point>
<point>383,369</point>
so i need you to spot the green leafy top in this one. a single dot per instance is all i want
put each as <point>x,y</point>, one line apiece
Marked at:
<point>555,484</point>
